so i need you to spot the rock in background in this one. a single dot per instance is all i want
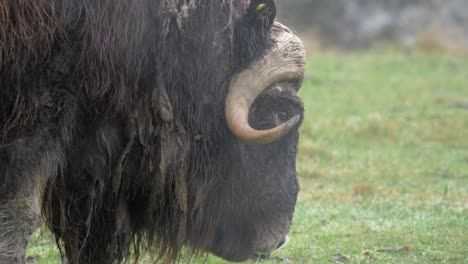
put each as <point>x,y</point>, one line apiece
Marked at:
<point>352,24</point>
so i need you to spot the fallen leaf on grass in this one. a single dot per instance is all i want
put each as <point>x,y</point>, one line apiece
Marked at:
<point>339,257</point>
<point>324,222</point>
<point>367,254</point>
<point>393,250</point>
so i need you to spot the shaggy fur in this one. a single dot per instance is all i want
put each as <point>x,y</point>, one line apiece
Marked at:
<point>19,219</point>
<point>122,103</point>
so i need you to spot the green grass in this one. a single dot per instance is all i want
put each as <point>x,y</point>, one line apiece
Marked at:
<point>383,162</point>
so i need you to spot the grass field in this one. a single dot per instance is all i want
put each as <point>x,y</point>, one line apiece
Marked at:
<point>383,162</point>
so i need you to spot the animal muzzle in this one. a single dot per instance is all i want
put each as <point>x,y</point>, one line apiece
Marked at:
<point>266,254</point>
<point>283,63</point>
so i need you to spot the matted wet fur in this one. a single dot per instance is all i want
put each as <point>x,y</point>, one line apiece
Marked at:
<point>131,94</point>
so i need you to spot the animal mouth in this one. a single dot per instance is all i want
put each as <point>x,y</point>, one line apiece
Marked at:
<point>265,255</point>
<point>240,253</point>
<point>284,63</point>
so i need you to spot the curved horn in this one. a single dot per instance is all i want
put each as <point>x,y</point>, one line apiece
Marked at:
<point>285,61</point>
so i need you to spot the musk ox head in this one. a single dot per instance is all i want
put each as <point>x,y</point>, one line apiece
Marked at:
<point>244,174</point>
<point>173,122</point>
<point>261,109</point>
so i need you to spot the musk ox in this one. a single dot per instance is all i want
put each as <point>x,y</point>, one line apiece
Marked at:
<point>131,126</point>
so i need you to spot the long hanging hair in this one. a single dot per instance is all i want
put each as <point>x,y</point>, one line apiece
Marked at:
<point>134,93</point>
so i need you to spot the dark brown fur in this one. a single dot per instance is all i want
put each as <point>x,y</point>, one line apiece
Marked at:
<point>128,97</point>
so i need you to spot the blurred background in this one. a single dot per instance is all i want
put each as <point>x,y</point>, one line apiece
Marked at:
<point>440,25</point>
<point>383,152</point>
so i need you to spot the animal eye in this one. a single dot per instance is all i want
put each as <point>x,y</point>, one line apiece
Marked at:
<point>260,7</point>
